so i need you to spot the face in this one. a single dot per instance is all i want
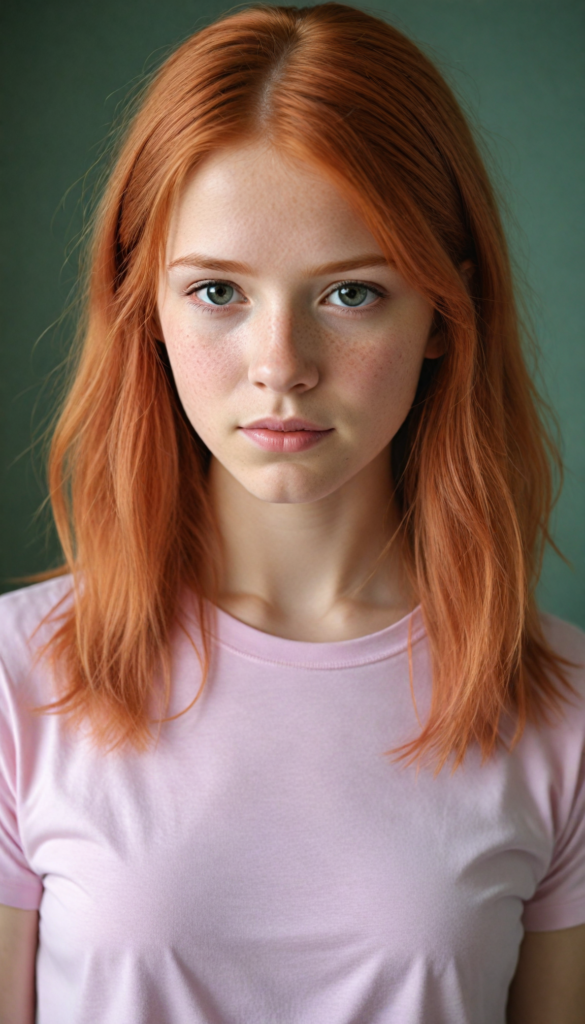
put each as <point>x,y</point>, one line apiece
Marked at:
<point>295,347</point>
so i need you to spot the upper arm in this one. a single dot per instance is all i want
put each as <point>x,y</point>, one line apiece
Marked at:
<point>549,984</point>
<point>18,947</point>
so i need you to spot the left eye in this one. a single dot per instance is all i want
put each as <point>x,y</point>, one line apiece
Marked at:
<point>218,292</point>
<point>353,294</point>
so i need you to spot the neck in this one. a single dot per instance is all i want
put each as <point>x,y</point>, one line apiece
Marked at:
<point>312,571</point>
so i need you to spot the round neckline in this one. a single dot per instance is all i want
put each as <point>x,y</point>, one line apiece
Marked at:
<point>238,636</point>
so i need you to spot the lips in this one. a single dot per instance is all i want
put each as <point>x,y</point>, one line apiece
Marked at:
<point>285,436</point>
<point>271,423</point>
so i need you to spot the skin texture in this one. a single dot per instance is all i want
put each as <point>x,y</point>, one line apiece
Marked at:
<point>301,530</point>
<point>549,984</point>
<point>18,947</point>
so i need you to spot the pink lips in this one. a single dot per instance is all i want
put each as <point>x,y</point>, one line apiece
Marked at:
<point>293,435</point>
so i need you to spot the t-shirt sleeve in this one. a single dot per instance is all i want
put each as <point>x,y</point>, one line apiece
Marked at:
<point>559,900</point>
<point>19,885</point>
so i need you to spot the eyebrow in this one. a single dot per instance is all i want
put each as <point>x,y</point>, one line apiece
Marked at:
<point>196,259</point>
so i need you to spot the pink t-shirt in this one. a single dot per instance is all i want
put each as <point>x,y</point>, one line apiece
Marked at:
<point>265,862</point>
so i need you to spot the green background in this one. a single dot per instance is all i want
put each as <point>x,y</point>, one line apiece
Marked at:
<point>66,66</point>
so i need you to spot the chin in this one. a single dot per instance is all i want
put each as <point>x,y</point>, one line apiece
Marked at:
<point>288,487</point>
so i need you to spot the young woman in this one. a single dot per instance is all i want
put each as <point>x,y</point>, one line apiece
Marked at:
<point>302,484</point>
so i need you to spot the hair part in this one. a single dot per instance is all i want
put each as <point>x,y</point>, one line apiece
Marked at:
<point>349,94</point>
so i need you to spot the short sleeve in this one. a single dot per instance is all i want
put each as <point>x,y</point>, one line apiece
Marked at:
<point>19,885</point>
<point>559,900</point>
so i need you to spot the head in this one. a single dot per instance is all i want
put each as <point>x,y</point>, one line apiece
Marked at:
<point>276,302</point>
<point>323,135</point>
<point>281,139</point>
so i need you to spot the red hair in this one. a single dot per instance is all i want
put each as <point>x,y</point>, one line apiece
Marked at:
<point>349,94</point>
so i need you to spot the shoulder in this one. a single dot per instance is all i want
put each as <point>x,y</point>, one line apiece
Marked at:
<point>565,637</point>
<point>555,731</point>
<point>554,746</point>
<point>567,640</point>
<point>27,619</point>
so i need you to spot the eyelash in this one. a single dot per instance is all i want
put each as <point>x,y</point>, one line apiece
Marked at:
<point>208,308</point>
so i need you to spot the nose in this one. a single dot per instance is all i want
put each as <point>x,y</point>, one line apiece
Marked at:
<point>284,356</point>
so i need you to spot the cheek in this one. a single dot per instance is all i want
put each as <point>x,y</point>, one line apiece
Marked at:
<point>381,375</point>
<point>204,368</point>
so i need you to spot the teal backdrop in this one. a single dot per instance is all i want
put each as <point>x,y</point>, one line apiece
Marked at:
<point>517,66</point>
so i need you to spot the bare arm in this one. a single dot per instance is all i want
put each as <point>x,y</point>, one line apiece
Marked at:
<point>18,946</point>
<point>549,984</point>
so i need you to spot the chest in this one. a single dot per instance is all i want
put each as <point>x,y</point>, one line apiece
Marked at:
<point>280,843</point>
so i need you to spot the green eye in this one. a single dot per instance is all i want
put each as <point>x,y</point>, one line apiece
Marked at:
<point>218,292</point>
<point>352,294</point>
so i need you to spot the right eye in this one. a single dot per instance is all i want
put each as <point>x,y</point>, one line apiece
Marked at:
<point>214,293</point>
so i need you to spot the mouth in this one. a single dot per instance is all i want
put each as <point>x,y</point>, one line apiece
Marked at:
<point>285,436</point>
<point>293,424</point>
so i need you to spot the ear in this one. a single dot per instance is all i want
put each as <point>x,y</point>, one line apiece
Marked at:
<point>467,269</point>
<point>437,341</point>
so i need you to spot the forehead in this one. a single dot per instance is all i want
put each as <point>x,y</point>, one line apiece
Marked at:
<point>255,200</point>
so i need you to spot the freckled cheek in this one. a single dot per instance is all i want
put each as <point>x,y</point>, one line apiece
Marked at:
<point>204,368</point>
<point>380,377</point>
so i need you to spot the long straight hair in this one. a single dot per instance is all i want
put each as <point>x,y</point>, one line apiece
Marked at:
<point>353,97</point>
